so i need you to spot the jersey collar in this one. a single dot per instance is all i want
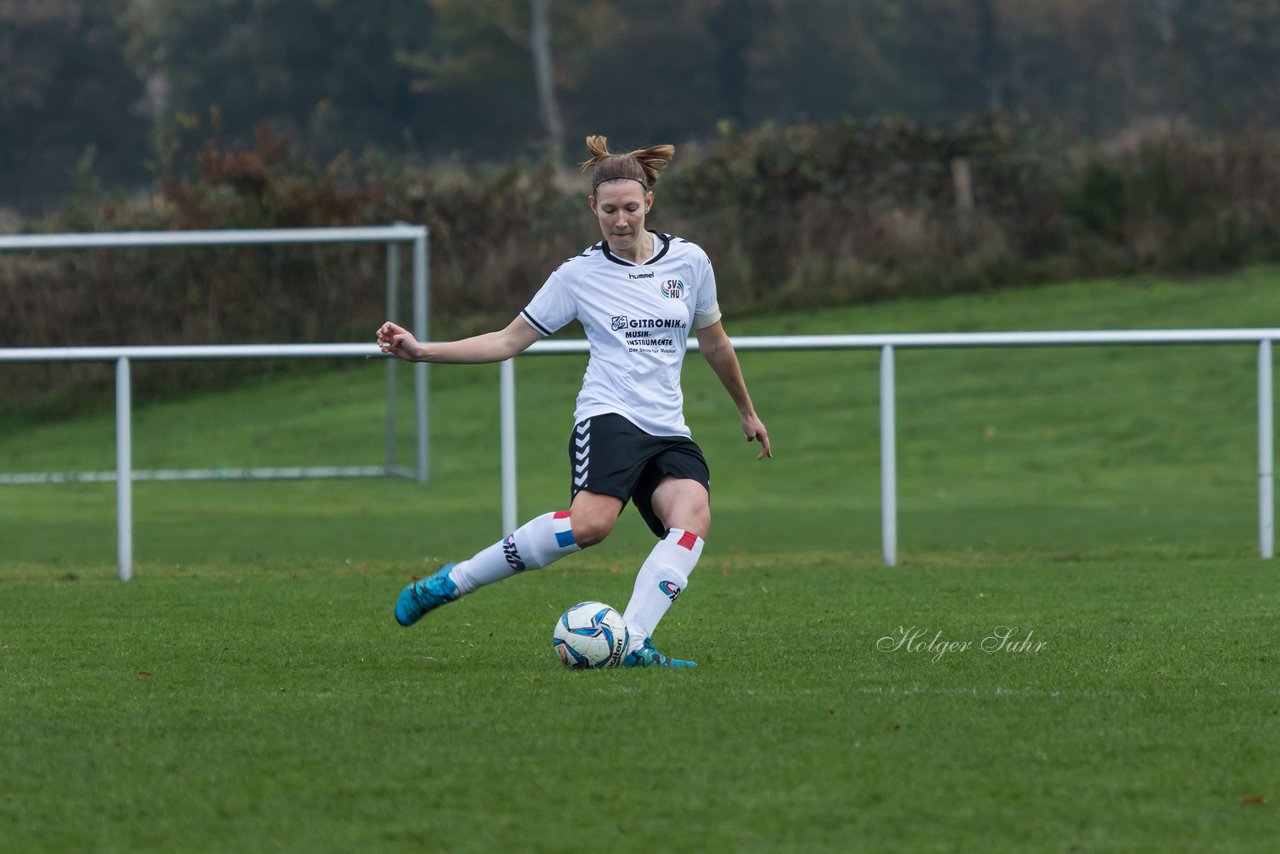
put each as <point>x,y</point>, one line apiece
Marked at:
<point>657,235</point>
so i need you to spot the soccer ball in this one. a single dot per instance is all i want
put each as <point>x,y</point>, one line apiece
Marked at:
<point>590,635</point>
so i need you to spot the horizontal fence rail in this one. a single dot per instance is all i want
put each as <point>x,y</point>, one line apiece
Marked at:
<point>185,353</point>
<point>967,339</point>
<point>885,344</point>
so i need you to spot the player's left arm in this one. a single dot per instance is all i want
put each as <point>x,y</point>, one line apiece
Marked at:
<point>718,350</point>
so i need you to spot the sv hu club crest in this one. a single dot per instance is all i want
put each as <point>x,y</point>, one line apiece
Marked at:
<point>673,289</point>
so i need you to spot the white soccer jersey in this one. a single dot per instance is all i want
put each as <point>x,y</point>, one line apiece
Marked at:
<point>637,318</point>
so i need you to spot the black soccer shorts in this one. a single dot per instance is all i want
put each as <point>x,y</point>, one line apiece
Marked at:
<point>609,455</point>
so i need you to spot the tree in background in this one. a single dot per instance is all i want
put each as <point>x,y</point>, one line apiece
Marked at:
<point>457,80</point>
<point>67,96</point>
<point>321,72</point>
<point>1224,57</point>
<point>505,65</point>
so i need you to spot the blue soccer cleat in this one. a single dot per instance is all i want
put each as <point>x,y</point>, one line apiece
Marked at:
<point>421,596</point>
<point>647,656</point>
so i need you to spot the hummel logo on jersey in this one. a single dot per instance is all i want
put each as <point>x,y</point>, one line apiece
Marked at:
<point>673,289</point>
<point>669,589</point>
<point>648,275</point>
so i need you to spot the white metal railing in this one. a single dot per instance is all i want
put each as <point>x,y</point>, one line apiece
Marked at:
<point>886,344</point>
<point>124,475</point>
<point>392,236</point>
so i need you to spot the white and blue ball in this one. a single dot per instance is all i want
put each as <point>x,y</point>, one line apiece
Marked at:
<point>591,635</point>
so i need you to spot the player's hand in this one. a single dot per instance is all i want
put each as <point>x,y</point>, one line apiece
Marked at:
<point>754,430</point>
<point>397,341</point>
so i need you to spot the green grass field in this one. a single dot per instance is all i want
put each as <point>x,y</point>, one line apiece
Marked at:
<point>1094,507</point>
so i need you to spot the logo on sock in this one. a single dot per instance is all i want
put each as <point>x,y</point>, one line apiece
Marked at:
<point>513,554</point>
<point>669,589</point>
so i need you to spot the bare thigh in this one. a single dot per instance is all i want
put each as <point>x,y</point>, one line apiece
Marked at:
<point>684,504</point>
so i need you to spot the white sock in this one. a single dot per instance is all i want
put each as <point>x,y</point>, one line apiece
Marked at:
<point>660,579</point>
<point>533,545</point>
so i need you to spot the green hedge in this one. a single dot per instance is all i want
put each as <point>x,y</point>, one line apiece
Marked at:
<point>794,216</point>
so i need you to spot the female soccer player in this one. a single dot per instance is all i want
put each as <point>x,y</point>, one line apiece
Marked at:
<point>637,293</point>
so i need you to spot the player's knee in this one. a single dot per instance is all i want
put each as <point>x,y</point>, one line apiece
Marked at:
<point>590,529</point>
<point>695,519</point>
<point>701,524</point>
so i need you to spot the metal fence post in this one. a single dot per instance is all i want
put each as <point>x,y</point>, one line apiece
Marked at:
<point>888,460</point>
<point>124,471</point>
<point>1266,453</point>
<point>507,420</point>
<point>393,308</point>
<point>420,369</point>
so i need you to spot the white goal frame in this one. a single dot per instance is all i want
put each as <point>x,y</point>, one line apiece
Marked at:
<point>392,236</point>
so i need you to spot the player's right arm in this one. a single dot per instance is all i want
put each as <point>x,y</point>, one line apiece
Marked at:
<point>489,347</point>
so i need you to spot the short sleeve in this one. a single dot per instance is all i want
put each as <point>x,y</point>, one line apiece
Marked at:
<point>706,310</point>
<point>552,306</point>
